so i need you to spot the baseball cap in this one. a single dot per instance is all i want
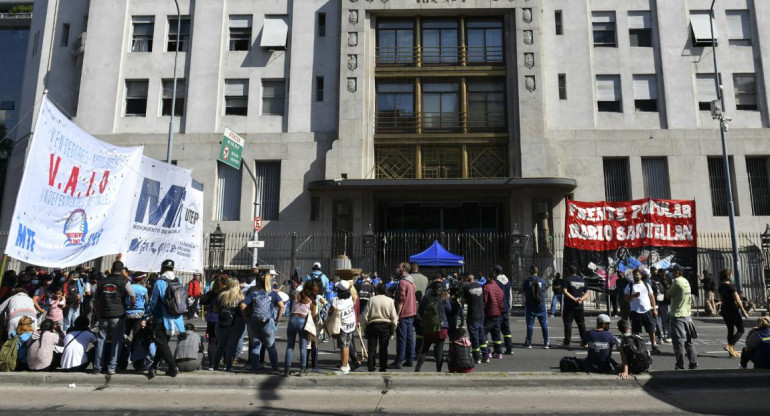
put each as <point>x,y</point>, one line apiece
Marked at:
<point>168,263</point>
<point>676,268</point>
<point>603,319</point>
<point>272,272</point>
<point>498,268</point>
<point>316,266</point>
<point>343,285</point>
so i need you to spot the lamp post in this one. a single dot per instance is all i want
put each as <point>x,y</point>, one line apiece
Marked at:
<point>216,246</point>
<point>369,249</point>
<point>717,113</point>
<point>173,93</point>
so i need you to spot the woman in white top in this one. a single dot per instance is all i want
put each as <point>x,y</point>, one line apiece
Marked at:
<point>76,355</point>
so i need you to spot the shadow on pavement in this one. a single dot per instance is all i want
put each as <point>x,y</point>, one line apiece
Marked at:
<point>719,392</point>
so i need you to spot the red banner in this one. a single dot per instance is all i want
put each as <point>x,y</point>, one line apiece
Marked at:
<point>602,226</point>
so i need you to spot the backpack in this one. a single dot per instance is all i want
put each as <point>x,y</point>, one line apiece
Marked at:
<point>262,306</point>
<point>535,297</point>
<point>365,291</point>
<point>8,354</point>
<point>71,292</point>
<point>175,298</point>
<point>569,365</point>
<point>462,359</point>
<point>637,356</point>
<point>226,318</point>
<point>431,319</point>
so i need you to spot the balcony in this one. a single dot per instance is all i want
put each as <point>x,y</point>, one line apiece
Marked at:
<point>390,122</point>
<point>439,56</point>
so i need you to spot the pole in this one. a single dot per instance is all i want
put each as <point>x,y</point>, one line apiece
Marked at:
<point>173,93</point>
<point>2,269</point>
<point>726,160</point>
<point>255,250</point>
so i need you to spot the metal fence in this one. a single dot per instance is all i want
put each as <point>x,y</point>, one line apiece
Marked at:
<point>287,252</point>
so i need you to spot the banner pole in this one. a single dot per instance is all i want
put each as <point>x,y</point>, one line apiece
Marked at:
<point>2,268</point>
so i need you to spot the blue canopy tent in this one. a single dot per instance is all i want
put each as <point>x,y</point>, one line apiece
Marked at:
<point>437,256</point>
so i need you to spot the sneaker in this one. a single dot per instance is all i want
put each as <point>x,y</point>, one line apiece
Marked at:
<point>354,365</point>
<point>528,346</point>
<point>655,349</point>
<point>211,368</point>
<point>96,371</point>
<point>395,366</point>
<point>485,360</point>
<point>151,374</point>
<point>345,370</point>
<point>110,371</point>
<point>499,356</point>
<point>478,361</point>
<point>489,355</point>
<point>693,366</point>
<point>547,346</point>
<point>304,372</point>
<point>565,344</point>
<point>275,372</point>
<point>407,364</point>
<point>508,352</point>
<point>172,372</point>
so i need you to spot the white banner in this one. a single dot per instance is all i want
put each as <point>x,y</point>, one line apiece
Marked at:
<point>166,219</point>
<point>72,205</point>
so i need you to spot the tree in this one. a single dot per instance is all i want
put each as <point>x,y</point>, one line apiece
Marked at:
<point>21,9</point>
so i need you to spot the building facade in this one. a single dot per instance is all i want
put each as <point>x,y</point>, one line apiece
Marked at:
<point>452,116</point>
<point>14,34</point>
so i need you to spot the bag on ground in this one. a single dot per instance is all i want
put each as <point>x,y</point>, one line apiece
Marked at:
<point>569,365</point>
<point>8,354</point>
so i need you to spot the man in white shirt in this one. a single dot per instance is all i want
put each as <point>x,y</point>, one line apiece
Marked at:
<point>643,311</point>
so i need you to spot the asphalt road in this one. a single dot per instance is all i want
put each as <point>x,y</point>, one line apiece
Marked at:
<point>711,340</point>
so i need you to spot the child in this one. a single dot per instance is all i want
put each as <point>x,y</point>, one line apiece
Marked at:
<point>460,357</point>
<point>56,312</point>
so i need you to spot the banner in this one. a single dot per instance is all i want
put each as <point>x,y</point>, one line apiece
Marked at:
<point>72,205</point>
<point>603,238</point>
<point>166,219</point>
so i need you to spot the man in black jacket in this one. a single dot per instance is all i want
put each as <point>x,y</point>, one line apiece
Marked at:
<point>109,308</point>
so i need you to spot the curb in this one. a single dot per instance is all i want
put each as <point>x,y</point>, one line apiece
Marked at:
<point>386,381</point>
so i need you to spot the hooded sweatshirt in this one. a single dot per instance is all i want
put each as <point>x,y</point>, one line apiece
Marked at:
<point>505,285</point>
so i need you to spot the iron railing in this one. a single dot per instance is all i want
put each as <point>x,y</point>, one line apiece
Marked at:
<point>397,122</point>
<point>439,55</point>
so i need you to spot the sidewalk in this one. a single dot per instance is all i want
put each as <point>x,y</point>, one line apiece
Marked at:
<point>663,380</point>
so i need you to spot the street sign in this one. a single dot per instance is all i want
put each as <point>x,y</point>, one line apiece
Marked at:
<point>255,244</point>
<point>232,148</point>
<point>257,224</point>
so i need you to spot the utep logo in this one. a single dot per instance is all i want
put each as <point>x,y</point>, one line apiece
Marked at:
<point>170,205</point>
<point>76,228</point>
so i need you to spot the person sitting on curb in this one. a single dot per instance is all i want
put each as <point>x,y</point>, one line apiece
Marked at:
<point>633,352</point>
<point>757,349</point>
<point>599,342</point>
<point>461,353</point>
<point>76,356</point>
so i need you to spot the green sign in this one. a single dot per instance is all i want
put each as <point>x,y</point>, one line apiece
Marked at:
<point>231,150</point>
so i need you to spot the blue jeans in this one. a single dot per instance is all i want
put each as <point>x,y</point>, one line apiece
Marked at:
<point>262,334</point>
<point>296,328</point>
<point>227,343</point>
<point>405,340</point>
<point>70,314</point>
<point>554,300</point>
<point>477,336</point>
<point>239,348</point>
<point>543,319</point>
<point>111,329</point>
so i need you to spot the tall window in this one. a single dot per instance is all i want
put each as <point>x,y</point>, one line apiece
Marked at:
<point>718,185</point>
<point>655,176</point>
<point>319,88</point>
<point>707,92</point>
<point>759,184</point>
<point>268,189</point>
<point>562,86</point>
<point>440,44</point>
<point>486,105</point>
<point>608,95</point>
<point>646,93</point>
<point>65,34</point>
<point>168,94</point>
<point>236,97</point>
<point>617,184</point>
<point>273,93</point>
<point>136,98</point>
<point>240,32</point>
<point>604,29</point>
<point>321,25</point>
<point>184,34</point>
<point>228,207</point>
<point>745,92</point>
<point>640,29</point>
<point>441,106</point>
<point>557,17</point>
<point>738,28</point>
<point>485,41</point>
<point>395,108</point>
<point>141,38</point>
<point>395,42</point>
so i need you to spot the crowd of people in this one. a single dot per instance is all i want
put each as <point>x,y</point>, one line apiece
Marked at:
<point>82,320</point>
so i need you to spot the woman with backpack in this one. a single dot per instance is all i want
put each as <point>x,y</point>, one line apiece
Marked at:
<point>41,355</point>
<point>344,306</point>
<point>209,301</point>
<point>434,308</point>
<point>230,324</point>
<point>13,356</point>
<point>302,308</point>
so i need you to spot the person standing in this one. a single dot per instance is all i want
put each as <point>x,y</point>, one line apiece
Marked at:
<point>493,312</point>
<point>643,310</point>
<point>164,322</point>
<point>679,294</point>
<point>434,308</point>
<point>193,296</point>
<point>732,311</point>
<point>575,293</point>
<point>379,322</point>
<point>556,286</point>
<point>263,321</point>
<point>663,323</point>
<point>111,295</point>
<point>474,299</point>
<point>230,324</point>
<point>534,289</point>
<point>505,323</point>
<point>303,307</point>
<point>406,306</point>
<point>709,293</point>
<point>73,295</point>
<point>420,286</point>
<point>135,314</point>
